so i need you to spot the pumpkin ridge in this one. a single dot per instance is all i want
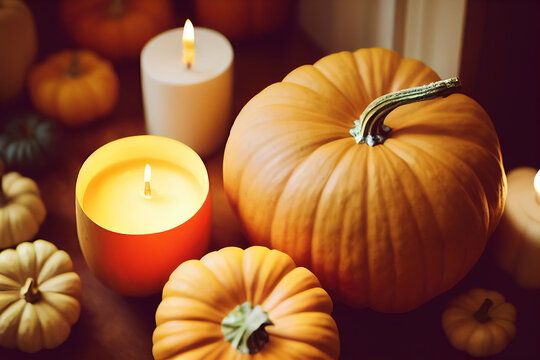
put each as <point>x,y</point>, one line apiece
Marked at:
<point>286,181</point>
<point>255,263</point>
<point>396,157</point>
<point>505,331</point>
<point>309,257</point>
<point>384,166</point>
<point>365,237</point>
<point>462,186</point>
<point>456,323</point>
<point>327,82</point>
<point>316,210</point>
<point>360,85</point>
<point>372,58</point>
<point>31,308</point>
<point>14,296</point>
<point>469,345</point>
<point>478,182</point>
<point>350,101</point>
<point>317,344</point>
<point>16,308</point>
<point>179,292</point>
<point>9,283</point>
<point>93,98</point>
<point>428,203</point>
<point>61,265</point>
<point>434,222</point>
<point>21,224</point>
<point>318,98</point>
<point>69,298</point>
<point>322,117</point>
<point>54,111</point>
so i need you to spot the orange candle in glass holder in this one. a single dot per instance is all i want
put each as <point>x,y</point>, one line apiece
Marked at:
<point>142,208</point>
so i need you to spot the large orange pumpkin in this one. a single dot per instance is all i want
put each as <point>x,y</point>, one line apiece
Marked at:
<point>117,29</point>
<point>244,304</point>
<point>386,225</point>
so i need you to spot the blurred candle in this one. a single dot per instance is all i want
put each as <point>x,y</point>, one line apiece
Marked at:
<point>187,87</point>
<point>517,239</point>
<point>143,207</point>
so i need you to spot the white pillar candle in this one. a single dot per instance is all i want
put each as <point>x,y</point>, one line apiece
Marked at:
<point>517,240</point>
<point>188,102</point>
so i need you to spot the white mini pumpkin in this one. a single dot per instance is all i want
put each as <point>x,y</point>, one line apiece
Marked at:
<point>21,209</point>
<point>39,296</point>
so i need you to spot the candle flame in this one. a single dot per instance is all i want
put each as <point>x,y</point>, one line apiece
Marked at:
<point>537,186</point>
<point>188,42</point>
<point>147,175</point>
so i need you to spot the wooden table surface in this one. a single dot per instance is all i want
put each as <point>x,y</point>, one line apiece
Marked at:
<point>117,327</point>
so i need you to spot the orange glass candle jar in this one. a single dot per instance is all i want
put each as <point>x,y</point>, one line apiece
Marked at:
<point>135,229</point>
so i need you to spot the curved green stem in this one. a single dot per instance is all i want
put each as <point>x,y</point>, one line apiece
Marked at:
<point>482,314</point>
<point>244,327</point>
<point>370,128</point>
<point>30,291</point>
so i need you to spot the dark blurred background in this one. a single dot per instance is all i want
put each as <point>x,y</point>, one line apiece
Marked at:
<point>500,56</point>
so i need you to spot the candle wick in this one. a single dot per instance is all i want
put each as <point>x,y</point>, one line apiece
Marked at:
<point>188,65</point>
<point>147,190</point>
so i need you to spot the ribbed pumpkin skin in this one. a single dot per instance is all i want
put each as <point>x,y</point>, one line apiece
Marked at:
<point>387,227</point>
<point>74,100</point>
<point>200,293</point>
<point>45,323</point>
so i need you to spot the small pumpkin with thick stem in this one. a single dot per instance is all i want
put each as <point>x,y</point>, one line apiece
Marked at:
<point>480,322</point>
<point>39,296</point>
<point>75,87</point>
<point>389,217</point>
<point>244,304</point>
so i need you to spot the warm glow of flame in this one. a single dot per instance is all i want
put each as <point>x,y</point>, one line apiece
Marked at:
<point>147,175</point>
<point>537,185</point>
<point>188,42</point>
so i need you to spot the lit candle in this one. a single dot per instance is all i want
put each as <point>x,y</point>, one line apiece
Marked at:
<point>517,239</point>
<point>134,229</point>
<point>186,76</point>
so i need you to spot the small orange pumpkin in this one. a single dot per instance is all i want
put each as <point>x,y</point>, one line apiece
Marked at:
<point>239,19</point>
<point>244,304</point>
<point>480,322</point>
<point>386,218</point>
<point>116,29</point>
<point>74,87</point>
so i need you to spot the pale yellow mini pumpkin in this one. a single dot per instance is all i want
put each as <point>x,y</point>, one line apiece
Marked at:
<point>21,209</point>
<point>480,322</point>
<point>39,296</point>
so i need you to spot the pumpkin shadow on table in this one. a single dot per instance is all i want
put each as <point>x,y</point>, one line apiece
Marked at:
<point>418,334</point>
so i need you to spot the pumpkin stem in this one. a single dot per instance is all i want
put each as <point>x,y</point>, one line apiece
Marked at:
<point>74,69</point>
<point>116,8</point>
<point>30,291</point>
<point>481,315</point>
<point>244,327</point>
<point>370,128</point>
